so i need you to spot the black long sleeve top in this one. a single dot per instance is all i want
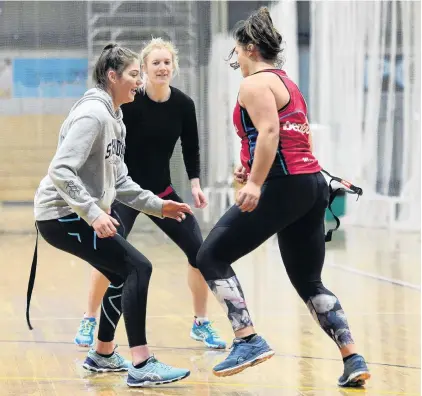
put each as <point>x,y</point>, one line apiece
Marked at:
<point>152,131</point>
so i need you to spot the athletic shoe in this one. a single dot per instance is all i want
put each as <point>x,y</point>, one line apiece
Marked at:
<point>101,364</point>
<point>85,335</point>
<point>355,372</point>
<point>154,373</point>
<point>243,355</point>
<point>207,334</point>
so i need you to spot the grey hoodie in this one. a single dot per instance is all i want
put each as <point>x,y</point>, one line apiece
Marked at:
<point>87,172</point>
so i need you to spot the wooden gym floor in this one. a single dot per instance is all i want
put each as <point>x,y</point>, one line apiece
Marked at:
<point>375,274</point>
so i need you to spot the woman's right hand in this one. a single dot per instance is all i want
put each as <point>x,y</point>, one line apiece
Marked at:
<point>176,210</point>
<point>240,174</point>
<point>104,226</point>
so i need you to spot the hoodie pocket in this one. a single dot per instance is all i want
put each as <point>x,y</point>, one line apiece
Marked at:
<point>107,198</point>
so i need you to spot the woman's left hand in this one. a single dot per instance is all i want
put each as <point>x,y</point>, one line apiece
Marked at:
<point>199,198</point>
<point>248,197</point>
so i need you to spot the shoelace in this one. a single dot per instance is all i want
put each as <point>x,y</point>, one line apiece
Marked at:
<point>118,357</point>
<point>211,330</point>
<point>235,347</point>
<point>160,365</point>
<point>86,327</point>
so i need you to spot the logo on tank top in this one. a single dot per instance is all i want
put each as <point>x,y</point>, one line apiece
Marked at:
<point>307,159</point>
<point>292,126</point>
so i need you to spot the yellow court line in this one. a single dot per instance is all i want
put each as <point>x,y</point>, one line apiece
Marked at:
<point>217,384</point>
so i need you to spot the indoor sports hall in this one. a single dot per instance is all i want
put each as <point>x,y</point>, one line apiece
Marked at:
<point>358,66</point>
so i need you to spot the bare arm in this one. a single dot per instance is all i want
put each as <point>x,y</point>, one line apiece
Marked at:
<point>259,101</point>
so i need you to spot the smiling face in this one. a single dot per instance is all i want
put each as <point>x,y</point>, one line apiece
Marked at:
<point>159,67</point>
<point>124,87</point>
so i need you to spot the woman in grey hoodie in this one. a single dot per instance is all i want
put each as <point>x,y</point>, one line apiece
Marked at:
<point>72,207</point>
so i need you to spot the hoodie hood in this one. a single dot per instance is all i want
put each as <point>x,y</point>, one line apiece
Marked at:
<point>102,96</point>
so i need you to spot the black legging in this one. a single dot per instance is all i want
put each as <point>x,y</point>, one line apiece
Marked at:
<point>128,270</point>
<point>186,234</point>
<point>293,207</point>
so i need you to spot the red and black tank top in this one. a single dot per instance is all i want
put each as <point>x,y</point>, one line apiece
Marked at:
<point>294,154</point>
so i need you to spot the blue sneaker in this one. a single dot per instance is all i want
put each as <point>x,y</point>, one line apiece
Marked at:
<point>85,335</point>
<point>101,364</point>
<point>243,355</point>
<point>205,333</point>
<point>355,372</point>
<point>154,373</point>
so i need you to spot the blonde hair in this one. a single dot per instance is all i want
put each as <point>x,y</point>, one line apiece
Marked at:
<point>159,43</point>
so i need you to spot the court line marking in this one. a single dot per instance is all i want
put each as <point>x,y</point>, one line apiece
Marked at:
<point>202,349</point>
<point>374,276</point>
<point>208,383</point>
<point>381,278</point>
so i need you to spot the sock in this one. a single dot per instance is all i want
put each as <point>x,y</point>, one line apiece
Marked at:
<point>249,337</point>
<point>90,318</point>
<point>199,320</point>
<point>142,364</point>
<point>348,357</point>
<point>106,356</point>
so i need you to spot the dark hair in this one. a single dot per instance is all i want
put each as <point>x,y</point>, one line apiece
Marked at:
<point>115,58</point>
<point>259,30</point>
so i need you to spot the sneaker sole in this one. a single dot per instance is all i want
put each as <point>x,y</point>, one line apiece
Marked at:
<point>212,346</point>
<point>103,370</point>
<point>354,379</point>
<point>83,345</point>
<point>146,384</point>
<point>236,370</point>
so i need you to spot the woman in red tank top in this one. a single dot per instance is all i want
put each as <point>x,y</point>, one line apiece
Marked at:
<point>284,193</point>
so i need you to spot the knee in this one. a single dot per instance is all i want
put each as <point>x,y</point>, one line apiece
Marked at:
<point>204,258</point>
<point>211,259</point>
<point>199,260</point>
<point>143,267</point>
<point>147,268</point>
<point>192,261</point>
<point>216,255</point>
<point>193,243</point>
<point>192,253</point>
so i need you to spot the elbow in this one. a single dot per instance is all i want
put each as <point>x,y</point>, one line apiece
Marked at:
<point>273,131</point>
<point>273,134</point>
<point>52,170</point>
<point>56,171</point>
